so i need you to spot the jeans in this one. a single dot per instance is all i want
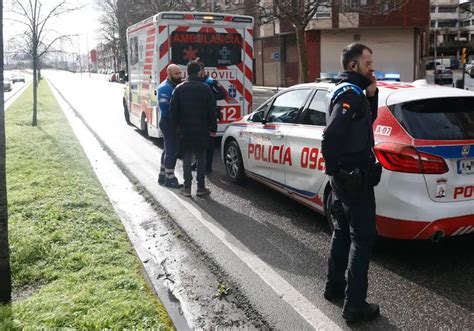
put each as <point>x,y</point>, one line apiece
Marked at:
<point>169,155</point>
<point>201,167</point>
<point>210,154</point>
<point>352,241</point>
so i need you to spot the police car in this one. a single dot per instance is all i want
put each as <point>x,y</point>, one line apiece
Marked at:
<point>424,140</point>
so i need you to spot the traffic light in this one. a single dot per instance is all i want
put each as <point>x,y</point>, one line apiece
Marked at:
<point>464,55</point>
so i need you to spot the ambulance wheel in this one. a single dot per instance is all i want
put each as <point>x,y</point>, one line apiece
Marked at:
<point>144,125</point>
<point>126,113</point>
<point>234,164</point>
<point>328,209</point>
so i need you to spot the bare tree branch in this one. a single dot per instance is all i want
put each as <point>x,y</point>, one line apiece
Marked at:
<point>37,40</point>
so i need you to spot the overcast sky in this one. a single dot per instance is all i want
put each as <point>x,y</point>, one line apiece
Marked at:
<point>83,22</point>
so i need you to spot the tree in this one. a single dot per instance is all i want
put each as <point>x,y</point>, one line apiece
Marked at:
<point>118,15</point>
<point>35,15</point>
<point>300,12</point>
<point>5,273</point>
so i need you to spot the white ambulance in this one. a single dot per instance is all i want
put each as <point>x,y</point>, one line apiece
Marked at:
<point>223,42</point>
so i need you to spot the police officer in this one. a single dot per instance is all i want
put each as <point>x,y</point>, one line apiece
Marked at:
<point>170,138</point>
<point>219,94</point>
<point>347,148</point>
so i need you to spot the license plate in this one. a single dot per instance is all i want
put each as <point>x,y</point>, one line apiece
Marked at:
<point>466,167</point>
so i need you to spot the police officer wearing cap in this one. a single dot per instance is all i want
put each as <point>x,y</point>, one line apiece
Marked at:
<point>347,146</point>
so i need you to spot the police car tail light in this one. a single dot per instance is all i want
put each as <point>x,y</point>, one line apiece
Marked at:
<point>404,158</point>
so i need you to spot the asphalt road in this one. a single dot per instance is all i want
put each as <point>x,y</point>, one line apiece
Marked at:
<point>419,285</point>
<point>457,74</point>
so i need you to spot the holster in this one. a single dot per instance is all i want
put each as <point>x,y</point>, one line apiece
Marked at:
<point>352,181</point>
<point>374,174</point>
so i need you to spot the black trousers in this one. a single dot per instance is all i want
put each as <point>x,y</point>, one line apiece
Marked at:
<point>352,241</point>
<point>201,167</point>
<point>210,154</point>
<point>170,140</point>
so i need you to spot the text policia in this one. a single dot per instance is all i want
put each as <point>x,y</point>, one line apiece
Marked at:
<point>310,158</point>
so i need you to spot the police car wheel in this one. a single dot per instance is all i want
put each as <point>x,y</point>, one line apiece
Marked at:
<point>234,164</point>
<point>328,210</point>
<point>126,113</point>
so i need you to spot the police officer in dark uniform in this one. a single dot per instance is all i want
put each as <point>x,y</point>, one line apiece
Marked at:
<point>347,148</point>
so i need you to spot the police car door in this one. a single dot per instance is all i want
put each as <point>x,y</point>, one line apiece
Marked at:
<point>268,152</point>
<point>305,177</point>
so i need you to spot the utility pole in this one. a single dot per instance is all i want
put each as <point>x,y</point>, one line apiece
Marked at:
<point>79,50</point>
<point>5,271</point>
<point>88,54</point>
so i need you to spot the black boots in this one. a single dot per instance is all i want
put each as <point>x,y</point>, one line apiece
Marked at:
<point>368,312</point>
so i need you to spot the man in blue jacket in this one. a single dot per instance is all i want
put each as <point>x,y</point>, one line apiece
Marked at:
<point>170,137</point>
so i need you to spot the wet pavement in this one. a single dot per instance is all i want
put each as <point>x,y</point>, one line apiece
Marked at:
<point>259,238</point>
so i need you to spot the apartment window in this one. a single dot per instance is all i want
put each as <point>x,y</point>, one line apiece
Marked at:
<point>465,23</point>
<point>351,4</point>
<point>445,9</point>
<point>323,15</point>
<point>447,24</point>
<point>433,9</point>
<point>433,24</point>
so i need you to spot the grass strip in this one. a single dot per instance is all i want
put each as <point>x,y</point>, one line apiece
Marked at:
<point>72,263</point>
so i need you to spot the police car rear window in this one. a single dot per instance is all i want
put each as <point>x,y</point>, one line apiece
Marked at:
<point>437,118</point>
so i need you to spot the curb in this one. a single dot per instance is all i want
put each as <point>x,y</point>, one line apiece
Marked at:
<point>157,285</point>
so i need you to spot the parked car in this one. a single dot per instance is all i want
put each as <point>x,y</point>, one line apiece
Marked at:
<point>468,67</point>
<point>424,139</point>
<point>455,64</point>
<point>17,77</point>
<point>431,65</point>
<point>114,77</point>
<point>443,76</point>
<point>7,84</point>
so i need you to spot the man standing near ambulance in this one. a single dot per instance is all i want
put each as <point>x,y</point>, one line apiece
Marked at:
<point>219,94</point>
<point>170,136</point>
<point>347,146</point>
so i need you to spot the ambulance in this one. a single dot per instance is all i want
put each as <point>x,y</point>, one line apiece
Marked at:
<point>223,42</point>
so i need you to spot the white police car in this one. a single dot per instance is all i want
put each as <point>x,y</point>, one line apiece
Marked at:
<point>424,140</point>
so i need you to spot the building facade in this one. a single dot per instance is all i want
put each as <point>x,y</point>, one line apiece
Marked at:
<point>399,39</point>
<point>110,56</point>
<point>451,27</point>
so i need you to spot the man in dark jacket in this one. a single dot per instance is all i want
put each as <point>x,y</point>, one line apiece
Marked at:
<point>193,111</point>
<point>219,94</point>
<point>347,148</point>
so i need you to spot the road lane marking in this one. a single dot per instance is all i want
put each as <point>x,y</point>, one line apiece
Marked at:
<point>299,303</point>
<point>309,312</point>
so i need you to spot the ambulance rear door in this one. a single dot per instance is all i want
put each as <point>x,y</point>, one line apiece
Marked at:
<point>222,51</point>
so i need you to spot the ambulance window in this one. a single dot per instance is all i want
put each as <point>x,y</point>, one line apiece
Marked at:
<point>214,49</point>
<point>133,50</point>
<point>285,108</point>
<point>316,113</point>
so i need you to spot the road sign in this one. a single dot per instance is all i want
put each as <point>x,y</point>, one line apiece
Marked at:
<point>276,56</point>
